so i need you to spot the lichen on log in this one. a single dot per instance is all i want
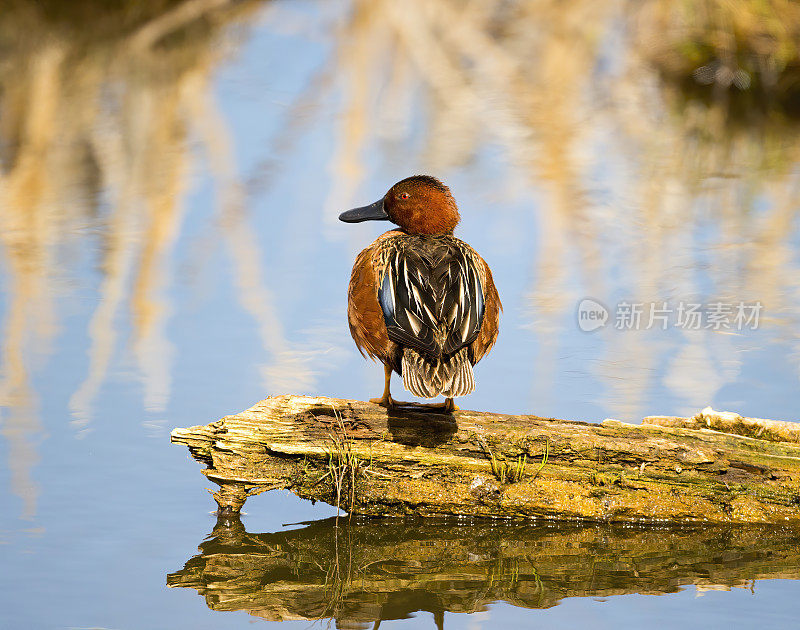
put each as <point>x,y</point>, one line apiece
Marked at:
<point>715,467</point>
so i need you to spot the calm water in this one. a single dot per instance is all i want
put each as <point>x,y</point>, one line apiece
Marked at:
<point>170,179</point>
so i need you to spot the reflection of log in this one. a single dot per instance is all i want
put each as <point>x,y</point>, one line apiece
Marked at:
<point>368,461</point>
<point>358,572</point>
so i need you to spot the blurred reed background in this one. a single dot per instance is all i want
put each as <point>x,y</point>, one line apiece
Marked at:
<point>98,101</point>
<point>657,141</point>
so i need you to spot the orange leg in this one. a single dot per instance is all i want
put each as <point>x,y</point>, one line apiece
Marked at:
<point>386,400</point>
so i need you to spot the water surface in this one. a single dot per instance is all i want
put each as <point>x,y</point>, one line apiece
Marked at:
<point>170,177</point>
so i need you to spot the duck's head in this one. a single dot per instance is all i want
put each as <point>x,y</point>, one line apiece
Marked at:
<point>419,205</point>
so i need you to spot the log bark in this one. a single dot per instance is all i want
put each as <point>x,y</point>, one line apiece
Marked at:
<point>360,572</point>
<point>715,467</point>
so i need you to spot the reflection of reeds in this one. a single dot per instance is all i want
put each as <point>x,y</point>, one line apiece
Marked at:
<point>19,423</point>
<point>93,139</point>
<point>719,188</point>
<point>94,98</point>
<point>289,368</point>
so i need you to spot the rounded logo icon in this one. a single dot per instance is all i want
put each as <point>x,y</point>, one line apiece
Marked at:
<point>591,315</point>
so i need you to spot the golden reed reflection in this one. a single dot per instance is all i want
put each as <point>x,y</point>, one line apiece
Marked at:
<point>360,573</point>
<point>98,104</point>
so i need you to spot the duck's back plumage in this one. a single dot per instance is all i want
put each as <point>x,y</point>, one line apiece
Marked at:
<point>433,295</point>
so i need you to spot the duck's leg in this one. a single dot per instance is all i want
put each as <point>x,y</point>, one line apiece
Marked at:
<point>390,403</point>
<point>385,400</point>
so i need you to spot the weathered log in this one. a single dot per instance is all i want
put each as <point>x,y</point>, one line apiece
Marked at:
<point>375,462</point>
<point>360,571</point>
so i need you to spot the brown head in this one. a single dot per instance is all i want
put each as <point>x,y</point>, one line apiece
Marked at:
<point>420,204</point>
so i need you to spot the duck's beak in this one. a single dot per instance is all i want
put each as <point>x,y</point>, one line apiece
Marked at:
<point>372,212</point>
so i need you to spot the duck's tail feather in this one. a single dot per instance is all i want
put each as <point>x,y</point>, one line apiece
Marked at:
<point>426,378</point>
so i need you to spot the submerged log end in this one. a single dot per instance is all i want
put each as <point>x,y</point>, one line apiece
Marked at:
<point>230,499</point>
<point>234,491</point>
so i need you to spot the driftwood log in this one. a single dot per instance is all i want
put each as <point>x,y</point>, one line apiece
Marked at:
<point>361,571</point>
<point>714,467</point>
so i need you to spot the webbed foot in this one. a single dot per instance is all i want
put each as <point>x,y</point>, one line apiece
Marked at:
<point>450,405</point>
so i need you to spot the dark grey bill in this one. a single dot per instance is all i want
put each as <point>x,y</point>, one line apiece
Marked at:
<point>372,212</point>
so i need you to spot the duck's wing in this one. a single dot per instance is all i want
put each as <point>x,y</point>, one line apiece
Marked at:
<point>432,296</point>
<point>491,316</point>
<point>364,314</point>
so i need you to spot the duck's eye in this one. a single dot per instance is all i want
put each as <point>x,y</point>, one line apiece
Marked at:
<point>404,195</point>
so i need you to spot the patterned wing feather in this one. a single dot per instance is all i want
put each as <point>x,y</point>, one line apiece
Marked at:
<point>431,297</point>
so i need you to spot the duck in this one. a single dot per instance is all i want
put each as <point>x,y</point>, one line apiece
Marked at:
<point>420,300</point>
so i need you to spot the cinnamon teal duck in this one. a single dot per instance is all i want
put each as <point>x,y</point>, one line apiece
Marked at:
<point>420,300</point>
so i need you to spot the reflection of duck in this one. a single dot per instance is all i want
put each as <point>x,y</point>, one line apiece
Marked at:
<point>421,300</point>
